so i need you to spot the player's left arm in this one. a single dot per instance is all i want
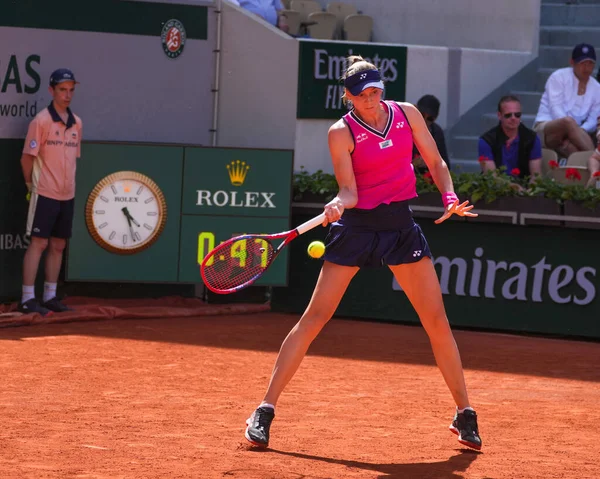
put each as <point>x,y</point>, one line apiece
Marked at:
<point>437,166</point>
<point>428,148</point>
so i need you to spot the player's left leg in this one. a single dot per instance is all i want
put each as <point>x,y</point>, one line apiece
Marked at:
<point>420,283</point>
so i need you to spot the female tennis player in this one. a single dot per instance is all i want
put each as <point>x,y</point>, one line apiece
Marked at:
<point>371,225</point>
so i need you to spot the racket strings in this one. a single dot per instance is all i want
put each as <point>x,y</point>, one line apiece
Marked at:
<point>238,263</point>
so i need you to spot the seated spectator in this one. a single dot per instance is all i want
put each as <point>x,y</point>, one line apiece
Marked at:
<point>594,168</point>
<point>429,106</point>
<point>566,119</point>
<point>511,144</point>
<point>594,161</point>
<point>267,9</point>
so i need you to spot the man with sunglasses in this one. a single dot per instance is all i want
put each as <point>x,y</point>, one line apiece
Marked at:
<point>511,144</point>
<point>429,106</point>
<point>570,106</point>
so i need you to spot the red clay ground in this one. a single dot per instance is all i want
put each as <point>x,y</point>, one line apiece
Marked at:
<point>167,398</point>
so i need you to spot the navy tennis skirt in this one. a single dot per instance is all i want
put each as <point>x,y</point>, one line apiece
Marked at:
<point>385,235</point>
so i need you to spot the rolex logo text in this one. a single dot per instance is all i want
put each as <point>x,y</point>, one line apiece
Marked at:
<point>237,172</point>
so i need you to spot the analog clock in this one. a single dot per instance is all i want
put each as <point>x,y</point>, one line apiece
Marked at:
<point>126,212</point>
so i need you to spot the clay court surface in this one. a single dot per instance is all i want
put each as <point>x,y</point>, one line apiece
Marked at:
<point>167,398</point>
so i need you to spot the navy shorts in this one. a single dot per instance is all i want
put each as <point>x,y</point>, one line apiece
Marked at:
<point>50,218</point>
<point>385,235</point>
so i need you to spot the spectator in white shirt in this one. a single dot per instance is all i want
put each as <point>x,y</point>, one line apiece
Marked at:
<point>267,9</point>
<point>567,117</point>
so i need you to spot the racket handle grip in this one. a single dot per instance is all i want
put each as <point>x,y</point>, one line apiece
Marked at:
<point>310,224</point>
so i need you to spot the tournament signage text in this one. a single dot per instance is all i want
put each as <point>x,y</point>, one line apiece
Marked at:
<point>322,64</point>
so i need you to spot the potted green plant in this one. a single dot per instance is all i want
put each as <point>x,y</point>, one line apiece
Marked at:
<point>489,191</point>
<point>317,187</point>
<point>500,192</point>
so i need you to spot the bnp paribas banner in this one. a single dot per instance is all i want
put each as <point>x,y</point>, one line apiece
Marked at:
<point>145,69</point>
<point>322,64</point>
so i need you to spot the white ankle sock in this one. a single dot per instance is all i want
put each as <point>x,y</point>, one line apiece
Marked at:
<point>49,291</point>
<point>266,404</point>
<point>28,293</point>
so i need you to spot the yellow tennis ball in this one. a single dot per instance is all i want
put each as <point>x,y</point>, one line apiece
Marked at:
<point>316,249</point>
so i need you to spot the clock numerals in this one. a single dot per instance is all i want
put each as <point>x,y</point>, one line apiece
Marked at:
<point>152,213</point>
<point>103,225</point>
<point>149,200</point>
<point>137,236</point>
<point>148,227</point>
<point>99,212</point>
<point>112,236</point>
<point>114,190</point>
<point>104,198</point>
<point>124,239</point>
<point>139,191</point>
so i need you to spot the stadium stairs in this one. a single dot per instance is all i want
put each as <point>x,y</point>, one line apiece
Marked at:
<point>563,24</point>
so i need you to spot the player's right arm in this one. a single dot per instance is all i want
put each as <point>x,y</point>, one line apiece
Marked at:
<point>340,145</point>
<point>33,141</point>
<point>27,167</point>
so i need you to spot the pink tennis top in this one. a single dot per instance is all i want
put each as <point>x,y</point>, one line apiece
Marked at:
<point>382,160</point>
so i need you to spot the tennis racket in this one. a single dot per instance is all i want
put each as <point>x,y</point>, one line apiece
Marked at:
<point>241,260</point>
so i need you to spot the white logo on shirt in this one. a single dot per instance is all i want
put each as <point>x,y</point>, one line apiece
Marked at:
<point>400,124</point>
<point>385,144</point>
<point>417,253</point>
<point>361,137</point>
<point>32,144</point>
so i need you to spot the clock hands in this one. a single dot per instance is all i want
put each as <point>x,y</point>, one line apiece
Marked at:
<point>128,215</point>
<point>129,221</point>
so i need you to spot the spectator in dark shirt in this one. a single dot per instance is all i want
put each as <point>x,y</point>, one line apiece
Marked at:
<point>429,106</point>
<point>510,144</point>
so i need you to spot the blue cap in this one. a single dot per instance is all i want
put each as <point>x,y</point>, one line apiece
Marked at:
<point>61,75</point>
<point>583,52</point>
<point>362,80</point>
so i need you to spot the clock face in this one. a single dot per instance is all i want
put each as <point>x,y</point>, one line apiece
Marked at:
<point>126,212</point>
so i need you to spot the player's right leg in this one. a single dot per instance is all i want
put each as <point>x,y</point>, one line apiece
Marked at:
<point>331,286</point>
<point>40,221</point>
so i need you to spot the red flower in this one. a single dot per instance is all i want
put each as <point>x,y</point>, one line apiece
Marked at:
<point>483,158</point>
<point>596,174</point>
<point>572,174</point>
<point>515,172</point>
<point>427,177</point>
<point>553,164</point>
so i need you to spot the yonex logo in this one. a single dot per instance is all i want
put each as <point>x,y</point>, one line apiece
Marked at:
<point>417,253</point>
<point>361,137</point>
<point>363,76</point>
<point>400,124</point>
